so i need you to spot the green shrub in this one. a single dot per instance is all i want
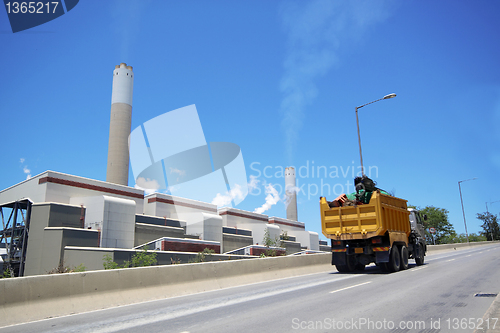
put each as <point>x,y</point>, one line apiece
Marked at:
<point>140,259</point>
<point>61,269</point>
<point>276,242</point>
<point>202,256</point>
<point>6,274</point>
<point>143,259</point>
<point>109,263</point>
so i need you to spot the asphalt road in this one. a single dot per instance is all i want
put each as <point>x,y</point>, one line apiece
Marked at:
<point>436,297</point>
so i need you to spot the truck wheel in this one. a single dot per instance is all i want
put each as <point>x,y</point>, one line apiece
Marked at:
<point>383,266</point>
<point>350,265</point>
<point>394,259</point>
<point>420,259</point>
<point>404,257</point>
<point>344,268</point>
<point>341,268</point>
<point>360,267</point>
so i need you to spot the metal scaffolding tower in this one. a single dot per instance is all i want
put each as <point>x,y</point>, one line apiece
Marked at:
<point>14,235</point>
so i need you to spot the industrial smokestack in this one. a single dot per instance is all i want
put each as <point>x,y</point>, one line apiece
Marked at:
<point>291,194</point>
<point>119,125</point>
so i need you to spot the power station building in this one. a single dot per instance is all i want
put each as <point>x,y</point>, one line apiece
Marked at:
<point>58,219</point>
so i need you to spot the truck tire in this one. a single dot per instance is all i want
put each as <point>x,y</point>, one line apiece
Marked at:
<point>360,267</point>
<point>345,268</point>
<point>394,259</point>
<point>342,268</point>
<point>420,259</point>
<point>350,265</point>
<point>404,257</point>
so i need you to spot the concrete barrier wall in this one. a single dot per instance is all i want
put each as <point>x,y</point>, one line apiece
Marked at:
<point>38,297</point>
<point>434,248</point>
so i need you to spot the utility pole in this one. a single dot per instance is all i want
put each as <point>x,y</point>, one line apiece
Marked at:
<point>463,211</point>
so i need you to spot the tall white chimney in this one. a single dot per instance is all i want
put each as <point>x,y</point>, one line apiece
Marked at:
<point>119,125</point>
<point>291,194</point>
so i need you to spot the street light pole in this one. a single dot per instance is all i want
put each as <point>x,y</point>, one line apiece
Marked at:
<point>359,142</point>
<point>357,124</point>
<point>462,201</point>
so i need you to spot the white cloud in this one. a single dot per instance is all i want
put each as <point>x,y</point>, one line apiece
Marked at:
<point>26,171</point>
<point>181,173</point>
<point>177,171</point>
<point>173,188</point>
<point>272,198</point>
<point>147,185</point>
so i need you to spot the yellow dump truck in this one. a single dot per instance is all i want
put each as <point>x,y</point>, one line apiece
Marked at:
<point>384,231</point>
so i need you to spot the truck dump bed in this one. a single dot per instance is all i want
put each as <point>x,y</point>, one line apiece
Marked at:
<point>384,213</point>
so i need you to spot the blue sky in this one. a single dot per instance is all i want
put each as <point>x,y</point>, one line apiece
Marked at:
<point>279,78</point>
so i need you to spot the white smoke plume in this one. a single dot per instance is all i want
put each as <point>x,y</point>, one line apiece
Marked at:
<point>225,200</point>
<point>315,30</point>
<point>127,20</point>
<point>253,184</point>
<point>272,198</point>
<point>222,200</point>
<point>289,191</point>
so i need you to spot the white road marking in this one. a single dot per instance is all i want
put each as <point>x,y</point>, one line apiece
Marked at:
<point>450,260</point>
<point>416,269</point>
<point>356,285</point>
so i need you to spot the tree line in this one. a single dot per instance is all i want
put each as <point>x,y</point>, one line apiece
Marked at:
<point>437,218</point>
